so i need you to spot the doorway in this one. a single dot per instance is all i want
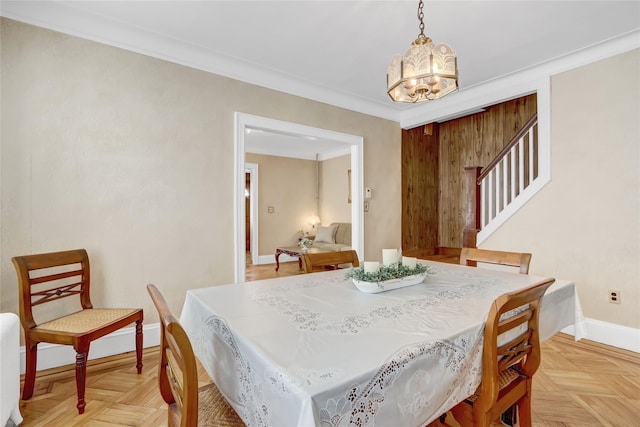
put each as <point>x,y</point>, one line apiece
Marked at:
<point>244,122</point>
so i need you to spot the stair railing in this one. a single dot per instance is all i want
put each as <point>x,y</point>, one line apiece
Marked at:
<point>491,190</point>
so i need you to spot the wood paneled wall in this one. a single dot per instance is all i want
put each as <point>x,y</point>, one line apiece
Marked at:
<point>419,189</point>
<point>474,140</point>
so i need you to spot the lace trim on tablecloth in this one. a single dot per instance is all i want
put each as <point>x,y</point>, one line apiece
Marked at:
<point>362,401</point>
<point>253,408</point>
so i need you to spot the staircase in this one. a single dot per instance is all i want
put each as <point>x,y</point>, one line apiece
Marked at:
<point>498,190</point>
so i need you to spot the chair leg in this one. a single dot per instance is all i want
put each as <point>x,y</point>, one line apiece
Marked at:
<point>81,378</point>
<point>524,411</point>
<point>139,345</point>
<point>462,413</point>
<point>30,368</point>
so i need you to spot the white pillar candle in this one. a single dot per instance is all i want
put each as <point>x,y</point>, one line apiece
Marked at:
<point>371,266</point>
<point>389,257</point>
<point>409,262</point>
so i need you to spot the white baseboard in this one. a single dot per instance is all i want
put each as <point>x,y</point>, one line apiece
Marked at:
<point>121,341</point>
<point>619,336</point>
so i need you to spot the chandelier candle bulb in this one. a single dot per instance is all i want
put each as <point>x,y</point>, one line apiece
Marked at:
<point>409,262</point>
<point>389,257</point>
<point>371,266</point>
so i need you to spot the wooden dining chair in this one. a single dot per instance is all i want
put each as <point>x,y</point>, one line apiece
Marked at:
<point>48,278</point>
<point>178,377</point>
<point>329,259</point>
<point>507,367</point>
<point>472,256</point>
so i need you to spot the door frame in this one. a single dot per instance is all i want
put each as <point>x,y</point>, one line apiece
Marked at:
<point>242,121</point>
<point>254,224</point>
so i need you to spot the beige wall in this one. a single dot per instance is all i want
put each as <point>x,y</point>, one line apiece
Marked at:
<point>585,224</point>
<point>289,186</point>
<point>334,190</point>
<point>132,158</point>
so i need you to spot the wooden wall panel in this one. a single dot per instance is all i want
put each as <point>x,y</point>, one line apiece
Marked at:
<point>433,182</point>
<point>473,141</point>
<point>419,188</point>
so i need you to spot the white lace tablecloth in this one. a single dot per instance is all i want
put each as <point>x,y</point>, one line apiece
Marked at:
<point>312,350</point>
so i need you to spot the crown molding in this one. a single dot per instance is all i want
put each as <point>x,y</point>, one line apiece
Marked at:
<point>67,19</point>
<point>514,85</point>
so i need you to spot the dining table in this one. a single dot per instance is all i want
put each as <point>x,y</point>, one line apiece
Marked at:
<point>314,350</point>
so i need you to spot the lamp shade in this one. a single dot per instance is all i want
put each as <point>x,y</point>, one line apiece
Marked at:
<point>426,72</point>
<point>314,220</point>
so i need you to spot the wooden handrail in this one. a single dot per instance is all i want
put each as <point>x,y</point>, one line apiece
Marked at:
<point>532,121</point>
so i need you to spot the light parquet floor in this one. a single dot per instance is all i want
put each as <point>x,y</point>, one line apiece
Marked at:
<point>585,384</point>
<point>579,384</point>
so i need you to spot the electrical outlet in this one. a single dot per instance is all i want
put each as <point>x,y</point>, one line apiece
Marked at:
<point>366,206</point>
<point>614,296</point>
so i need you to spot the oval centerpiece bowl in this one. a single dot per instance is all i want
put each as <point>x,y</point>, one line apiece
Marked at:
<point>388,285</point>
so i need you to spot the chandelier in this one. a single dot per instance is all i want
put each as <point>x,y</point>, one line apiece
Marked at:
<point>426,72</point>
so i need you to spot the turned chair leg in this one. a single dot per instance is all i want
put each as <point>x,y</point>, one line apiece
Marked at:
<point>81,377</point>
<point>139,346</point>
<point>30,369</point>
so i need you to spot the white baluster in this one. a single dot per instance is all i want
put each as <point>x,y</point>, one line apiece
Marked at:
<point>483,202</point>
<point>531,162</point>
<point>505,187</point>
<point>521,164</point>
<point>513,173</point>
<point>492,195</point>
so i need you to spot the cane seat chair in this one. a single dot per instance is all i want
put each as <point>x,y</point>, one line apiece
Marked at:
<point>188,406</point>
<point>511,355</point>
<point>472,256</point>
<point>47,279</point>
<point>329,260</point>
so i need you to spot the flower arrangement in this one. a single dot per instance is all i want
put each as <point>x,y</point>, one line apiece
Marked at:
<point>396,271</point>
<point>305,243</point>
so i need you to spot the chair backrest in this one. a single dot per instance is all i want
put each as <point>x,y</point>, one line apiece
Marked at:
<point>67,274</point>
<point>471,256</point>
<point>178,375</point>
<point>325,259</point>
<point>511,339</point>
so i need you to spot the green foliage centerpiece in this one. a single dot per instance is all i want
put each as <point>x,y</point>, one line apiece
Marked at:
<point>395,272</point>
<point>384,273</point>
<point>305,243</point>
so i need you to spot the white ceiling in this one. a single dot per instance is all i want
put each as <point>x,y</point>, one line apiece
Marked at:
<point>265,141</point>
<point>338,51</point>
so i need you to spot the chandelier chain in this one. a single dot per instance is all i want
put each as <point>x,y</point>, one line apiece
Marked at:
<point>421,18</point>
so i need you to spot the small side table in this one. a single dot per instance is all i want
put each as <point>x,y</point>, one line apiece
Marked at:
<point>294,251</point>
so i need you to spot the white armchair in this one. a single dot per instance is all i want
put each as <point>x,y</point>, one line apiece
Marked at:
<point>9,369</point>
